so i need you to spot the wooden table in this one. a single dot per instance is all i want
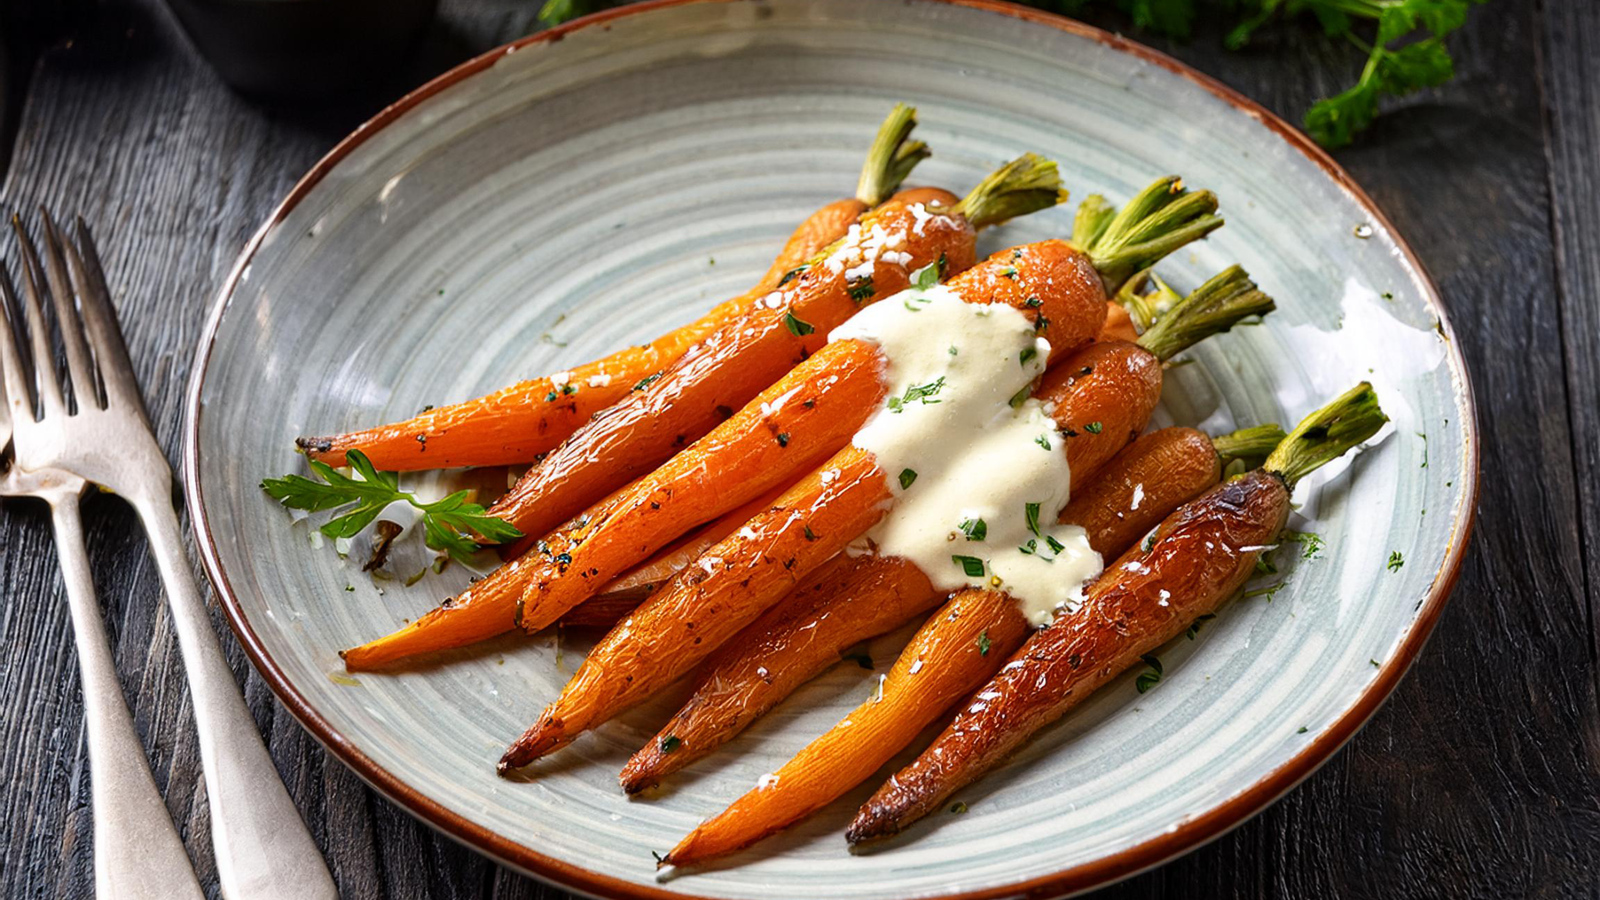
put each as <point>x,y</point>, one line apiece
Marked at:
<point>1480,778</point>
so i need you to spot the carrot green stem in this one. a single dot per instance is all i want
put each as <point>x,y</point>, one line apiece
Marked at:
<point>1158,220</point>
<point>1091,219</point>
<point>1249,445</point>
<point>1146,308</point>
<point>1326,434</point>
<point>1214,307</point>
<point>1027,184</point>
<point>892,156</point>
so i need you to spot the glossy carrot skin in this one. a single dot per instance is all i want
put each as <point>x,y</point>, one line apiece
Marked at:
<point>1103,395</point>
<point>724,372</point>
<point>803,635</point>
<point>1154,475</point>
<point>623,595</point>
<point>950,656</point>
<point>853,600</point>
<point>519,423</point>
<point>809,413</point>
<point>711,601</point>
<point>1198,559</point>
<point>788,429</point>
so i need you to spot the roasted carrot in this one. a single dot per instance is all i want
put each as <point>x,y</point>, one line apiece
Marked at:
<point>1101,398</point>
<point>666,638</point>
<point>735,362</point>
<point>939,664</point>
<point>709,602</point>
<point>960,647</point>
<point>519,423</point>
<point>1160,470</point>
<point>623,595</point>
<point>1197,558</point>
<point>804,634</point>
<point>789,429</point>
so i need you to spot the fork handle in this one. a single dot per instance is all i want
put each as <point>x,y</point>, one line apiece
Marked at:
<point>137,852</point>
<point>263,849</point>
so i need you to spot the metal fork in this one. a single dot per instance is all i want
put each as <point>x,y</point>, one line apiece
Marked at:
<point>262,848</point>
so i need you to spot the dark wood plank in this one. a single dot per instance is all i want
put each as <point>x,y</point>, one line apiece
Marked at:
<point>1571,78</point>
<point>1479,779</point>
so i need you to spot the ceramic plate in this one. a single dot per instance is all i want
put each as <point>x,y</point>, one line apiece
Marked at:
<point>591,186</point>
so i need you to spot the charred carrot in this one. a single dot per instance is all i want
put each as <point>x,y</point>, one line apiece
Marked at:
<point>735,362</point>
<point>788,429</point>
<point>679,627</point>
<point>961,647</point>
<point>519,423</point>
<point>1101,398</point>
<point>805,634</point>
<point>1197,558</point>
<point>623,595</point>
<point>1154,475</point>
<point>939,664</point>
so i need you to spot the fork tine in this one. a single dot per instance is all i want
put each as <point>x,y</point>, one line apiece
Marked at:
<point>100,318</point>
<point>19,398</point>
<point>85,385</point>
<point>44,368</point>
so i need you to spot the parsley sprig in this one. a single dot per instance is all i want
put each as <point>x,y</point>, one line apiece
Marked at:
<point>448,524</point>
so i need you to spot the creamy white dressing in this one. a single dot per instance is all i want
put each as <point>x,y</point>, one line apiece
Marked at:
<point>977,482</point>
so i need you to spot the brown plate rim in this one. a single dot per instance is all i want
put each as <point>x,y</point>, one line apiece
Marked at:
<point>1187,836</point>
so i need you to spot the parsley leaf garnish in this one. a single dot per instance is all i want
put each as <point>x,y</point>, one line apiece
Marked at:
<point>915,393</point>
<point>925,277</point>
<point>1396,560</point>
<point>670,743</point>
<point>971,566</point>
<point>862,289</point>
<point>797,327</point>
<point>975,529</point>
<point>1150,679</point>
<point>983,642</point>
<point>448,524</point>
<point>907,477</point>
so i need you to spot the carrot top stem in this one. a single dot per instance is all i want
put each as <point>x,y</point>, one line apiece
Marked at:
<point>1158,220</point>
<point>1224,301</point>
<point>1146,307</point>
<point>1249,446</point>
<point>1091,219</point>
<point>1326,434</point>
<point>1027,184</point>
<point>892,156</point>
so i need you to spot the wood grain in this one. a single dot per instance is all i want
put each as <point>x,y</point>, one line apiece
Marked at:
<point>1479,779</point>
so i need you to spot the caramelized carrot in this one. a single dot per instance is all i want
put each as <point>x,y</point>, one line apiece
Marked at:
<point>975,633</point>
<point>623,595</point>
<point>709,602</point>
<point>804,634</point>
<point>520,423</point>
<point>791,643</point>
<point>789,429</point>
<point>648,650</point>
<point>734,363</point>
<point>1161,470</point>
<point>1197,558</point>
<point>1101,397</point>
